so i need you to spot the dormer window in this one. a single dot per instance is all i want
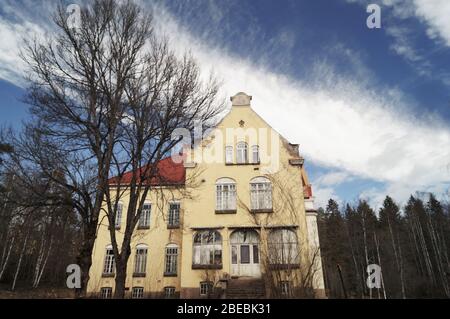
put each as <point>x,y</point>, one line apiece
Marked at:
<point>241,153</point>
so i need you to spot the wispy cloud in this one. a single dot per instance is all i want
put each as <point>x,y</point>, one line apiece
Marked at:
<point>341,121</point>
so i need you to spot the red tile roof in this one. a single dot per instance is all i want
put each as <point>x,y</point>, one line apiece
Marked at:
<point>168,173</point>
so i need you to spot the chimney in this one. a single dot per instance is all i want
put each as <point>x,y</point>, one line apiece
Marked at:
<point>241,99</point>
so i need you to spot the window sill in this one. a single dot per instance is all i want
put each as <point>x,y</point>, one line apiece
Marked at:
<point>143,227</point>
<point>283,266</point>
<point>260,211</point>
<point>107,275</point>
<point>167,274</point>
<point>242,164</point>
<point>173,226</point>
<point>206,266</point>
<point>139,275</point>
<point>226,211</point>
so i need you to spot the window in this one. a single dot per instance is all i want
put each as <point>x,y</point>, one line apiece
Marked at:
<point>109,265</point>
<point>283,247</point>
<point>174,215</point>
<point>106,293</point>
<point>206,287</point>
<point>144,219</point>
<point>140,264</point>
<point>241,153</point>
<point>171,260</point>
<point>118,220</point>
<point>285,288</point>
<point>207,248</point>
<point>261,193</point>
<point>169,292</point>
<point>255,154</point>
<point>229,154</point>
<point>225,194</point>
<point>137,293</point>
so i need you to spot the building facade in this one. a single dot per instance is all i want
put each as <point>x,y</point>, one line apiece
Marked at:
<point>236,221</point>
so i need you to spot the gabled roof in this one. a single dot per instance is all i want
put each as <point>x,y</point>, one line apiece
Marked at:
<point>168,173</point>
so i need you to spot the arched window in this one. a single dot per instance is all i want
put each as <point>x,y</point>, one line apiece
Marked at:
<point>109,264</point>
<point>207,248</point>
<point>255,154</point>
<point>225,194</point>
<point>229,155</point>
<point>261,193</point>
<point>171,265</point>
<point>140,264</point>
<point>241,153</point>
<point>283,247</point>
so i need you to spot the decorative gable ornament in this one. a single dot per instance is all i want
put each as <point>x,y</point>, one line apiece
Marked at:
<point>241,99</point>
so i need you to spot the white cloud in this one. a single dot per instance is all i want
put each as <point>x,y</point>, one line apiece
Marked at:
<point>341,122</point>
<point>436,14</point>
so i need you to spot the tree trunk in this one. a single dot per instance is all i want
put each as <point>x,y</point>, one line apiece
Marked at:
<point>20,260</point>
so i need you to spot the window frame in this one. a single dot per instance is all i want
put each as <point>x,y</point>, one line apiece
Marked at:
<point>173,218</point>
<point>146,214</point>
<point>285,288</point>
<point>242,151</point>
<point>109,262</point>
<point>118,217</point>
<point>255,150</point>
<point>171,260</point>
<point>171,294</point>
<point>280,242</point>
<point>204,250</point>
<point>140,261</point>
<point>226,195</point>
<point>261,195</point>
<point>106,293</point>
<point>137,296</point>
<point>206,288</point>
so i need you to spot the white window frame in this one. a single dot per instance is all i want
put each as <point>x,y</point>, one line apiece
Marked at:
<point>283,247</point>
<point>109,264</point>
<point>206,247</point>
<point>144,219</point>
<point>118,219</point>
<point>173,218</point>
<point>255,154</point>
<point>241,153</point>
<point>229,154</point>
<point>206,287</point>
<point>225,194</point>
<point>137,293</point>
<point>261,193</point>
<point>171,264</point>
<point>106,292</point>
<point>140,263</point>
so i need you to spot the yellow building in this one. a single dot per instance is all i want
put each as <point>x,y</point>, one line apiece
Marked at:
<point>237,221</point>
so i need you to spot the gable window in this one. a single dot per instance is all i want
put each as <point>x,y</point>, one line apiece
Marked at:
<point>109,264</point>
<point>206,287</point>
<point>229,154</point>
<point>140,263</point>
<point>225,195</point>
<point>283,247</point>
<point>255,154</point>
<point>137,293</point>
<point>174,215</point>
<point>261,193</point>
<point>171,265</point>
<point>144,219</point>
<point>118,220</point>
<point>241,153</point>
<point>106,293</point>
<point>207,249</point>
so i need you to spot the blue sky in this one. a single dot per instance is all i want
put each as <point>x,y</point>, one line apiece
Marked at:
<point>370,108</point>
